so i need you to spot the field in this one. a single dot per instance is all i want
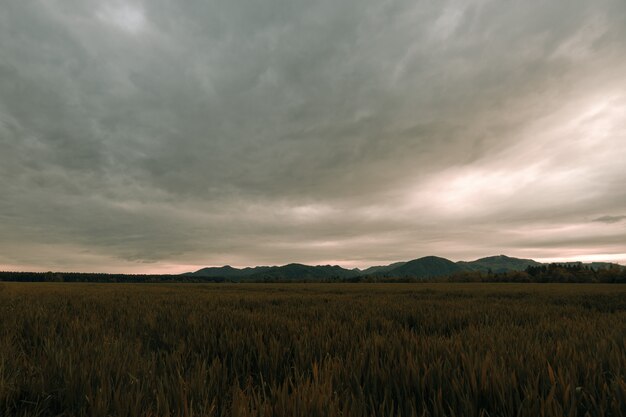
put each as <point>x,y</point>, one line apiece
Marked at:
<point>312,350</point>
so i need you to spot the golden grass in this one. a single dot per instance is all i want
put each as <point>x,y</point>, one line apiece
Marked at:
<point>312,350</point>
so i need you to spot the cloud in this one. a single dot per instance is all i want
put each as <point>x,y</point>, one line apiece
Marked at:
<point>610,219</point>
<point>193,133</point>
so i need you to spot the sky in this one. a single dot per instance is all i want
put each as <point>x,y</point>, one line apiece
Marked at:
<point>164,136</point>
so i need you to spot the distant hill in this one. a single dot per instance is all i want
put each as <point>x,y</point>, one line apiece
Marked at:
<point>498,264</point>
<point>381,269</point>
<point>307,272</point>
<point>423,268</point>
<point>593,265</point>
<point>286,272</point>
<point>228,271</point>
<point>426,267</point>
<point>503,268</point>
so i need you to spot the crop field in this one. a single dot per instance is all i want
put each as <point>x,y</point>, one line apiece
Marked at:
<point>312,350</point>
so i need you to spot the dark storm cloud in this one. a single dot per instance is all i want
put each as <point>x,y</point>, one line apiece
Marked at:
<point>356,132</point>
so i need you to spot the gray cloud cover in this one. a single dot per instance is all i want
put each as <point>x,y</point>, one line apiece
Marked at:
<point>158,136</point>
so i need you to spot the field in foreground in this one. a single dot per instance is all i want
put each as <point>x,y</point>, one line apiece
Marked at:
<point>312,350</point>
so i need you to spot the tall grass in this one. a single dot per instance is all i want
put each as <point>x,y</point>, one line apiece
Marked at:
<point>312,350</point>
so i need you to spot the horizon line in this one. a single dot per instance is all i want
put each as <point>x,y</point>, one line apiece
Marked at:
<point>547,260</point>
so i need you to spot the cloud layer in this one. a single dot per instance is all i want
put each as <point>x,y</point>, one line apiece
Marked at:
<point>158,136</point>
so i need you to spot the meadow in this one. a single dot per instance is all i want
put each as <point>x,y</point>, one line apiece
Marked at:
<point>312,349</point>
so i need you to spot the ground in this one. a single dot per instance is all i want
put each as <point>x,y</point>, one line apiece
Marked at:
<point>312,349</point>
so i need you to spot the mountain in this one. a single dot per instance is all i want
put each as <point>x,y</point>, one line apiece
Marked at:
<point>497,264</point>
<point>604,265</point>
<point>593,265</point>
<point>381,269</point>
<point>227,271</point>
<point>299,271</point>
<point>286,272</point>
<point>426,267</point>
<point>422,268</point>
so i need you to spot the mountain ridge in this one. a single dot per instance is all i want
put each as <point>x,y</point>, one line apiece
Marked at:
<point>426,267</point>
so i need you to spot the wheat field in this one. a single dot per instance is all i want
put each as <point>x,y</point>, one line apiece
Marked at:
<point>312,350</point>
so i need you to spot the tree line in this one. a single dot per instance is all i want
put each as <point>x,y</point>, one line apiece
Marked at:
<point>101,277</point>
<point>549,273</point>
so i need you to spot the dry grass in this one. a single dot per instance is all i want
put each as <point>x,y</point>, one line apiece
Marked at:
<point>312,350</point>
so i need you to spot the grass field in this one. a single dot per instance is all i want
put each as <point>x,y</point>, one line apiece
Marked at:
<point>312,350</point>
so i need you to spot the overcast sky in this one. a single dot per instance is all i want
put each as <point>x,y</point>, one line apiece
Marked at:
<point>164,136</point>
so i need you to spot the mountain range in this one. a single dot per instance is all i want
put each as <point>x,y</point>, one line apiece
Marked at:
<point>422,268</point>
